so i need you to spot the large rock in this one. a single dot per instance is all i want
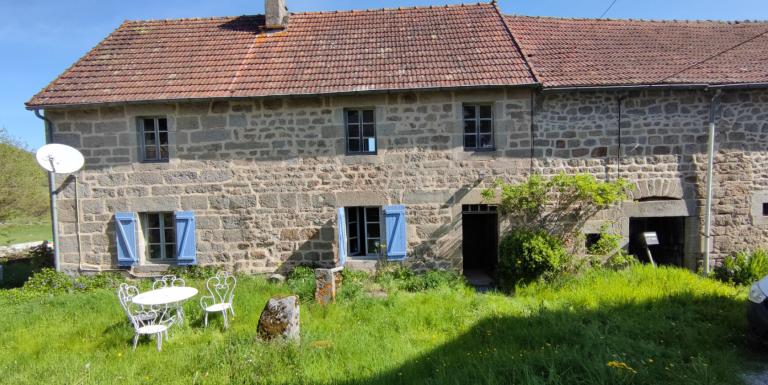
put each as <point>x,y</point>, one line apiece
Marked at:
<point>280,318</point>
<point>327,282</point>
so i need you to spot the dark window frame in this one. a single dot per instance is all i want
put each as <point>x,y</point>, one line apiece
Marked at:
<point>163,243</point>
<point>591,239</point>
<point>362,223</point>
<point>477,121</point>
<point>765,209</point>
<point>361,137</point>
<point>140,124</point>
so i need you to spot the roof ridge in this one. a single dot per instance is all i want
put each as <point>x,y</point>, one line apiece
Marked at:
<point>457,5</point>
<point>668,21</point>
<point>187,19</point>
<point>534,73</point>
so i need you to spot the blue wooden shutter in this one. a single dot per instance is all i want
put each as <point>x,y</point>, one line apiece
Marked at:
<point>394,221</point>
<point>125,232</point>
<point>186,249</point>
<point>342,229</point>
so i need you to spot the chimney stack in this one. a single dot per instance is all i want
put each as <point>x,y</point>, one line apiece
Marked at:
<point>276,14</point>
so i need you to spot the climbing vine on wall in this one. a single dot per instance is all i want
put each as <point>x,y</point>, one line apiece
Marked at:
<point>559,205</point>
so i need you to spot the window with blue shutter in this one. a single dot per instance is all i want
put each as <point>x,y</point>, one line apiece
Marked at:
<point>394,221</point>
<point>125,232</point>
<point>342,230</point>
<point>186,249</point>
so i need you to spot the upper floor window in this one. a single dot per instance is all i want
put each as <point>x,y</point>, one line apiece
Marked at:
<point>361,131</point>
<point>478,127</point>
<point>154,139</point>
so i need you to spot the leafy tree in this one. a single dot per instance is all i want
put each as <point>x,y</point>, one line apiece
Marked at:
<point>547,215</point>
<point>23,184</point>
<point>559,205</point>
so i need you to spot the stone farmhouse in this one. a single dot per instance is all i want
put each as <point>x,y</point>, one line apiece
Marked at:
<point>261,142</point>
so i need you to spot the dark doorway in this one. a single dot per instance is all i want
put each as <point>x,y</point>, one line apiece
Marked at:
<point>480,244</point>
<point>671,235</point>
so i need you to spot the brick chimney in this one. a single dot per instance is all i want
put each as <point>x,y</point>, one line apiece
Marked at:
<point>276,14</point>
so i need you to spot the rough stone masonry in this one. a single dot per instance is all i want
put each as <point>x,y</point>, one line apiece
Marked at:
<point>265,176</point>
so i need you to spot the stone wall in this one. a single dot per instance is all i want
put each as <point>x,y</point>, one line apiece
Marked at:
<point>264,176</point>
<point>662,148</point>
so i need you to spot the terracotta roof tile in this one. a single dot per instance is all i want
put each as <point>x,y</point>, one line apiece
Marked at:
<point>592,52</point>
<point>321,52</point>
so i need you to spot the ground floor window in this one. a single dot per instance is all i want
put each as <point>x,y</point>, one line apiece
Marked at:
<point>159,236</point>
<point>363,230</point>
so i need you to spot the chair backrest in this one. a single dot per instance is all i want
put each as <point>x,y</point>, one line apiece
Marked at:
<point>222,287</point>
<point>168,281</point>
<point>136,314</point>
<point>125,294</point>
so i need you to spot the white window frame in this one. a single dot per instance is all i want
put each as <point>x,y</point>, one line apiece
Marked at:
<point>144,222</point>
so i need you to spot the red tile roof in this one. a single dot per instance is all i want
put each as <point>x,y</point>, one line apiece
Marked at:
<point>333,52</point>
<point>590,52</point>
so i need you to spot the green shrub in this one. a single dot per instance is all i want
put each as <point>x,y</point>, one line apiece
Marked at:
<point>607,248</point>
<point>743,268</point>
<point>353,283</point>
<point>98,281</point>
<point>301,281</point>
<point>620,260</point>
<point>606,243</point>
<point>399,277</point>
<point>49,281</point>
<point>525,256</point>
<point>433,279</point>
<point>194,271</point>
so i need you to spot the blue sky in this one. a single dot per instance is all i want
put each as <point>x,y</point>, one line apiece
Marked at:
<point>40,39</point>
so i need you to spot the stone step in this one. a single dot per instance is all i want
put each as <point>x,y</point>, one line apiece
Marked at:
<point>147,271</point>
<point>366,265</point>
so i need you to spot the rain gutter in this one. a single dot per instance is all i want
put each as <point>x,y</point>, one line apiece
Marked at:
<point>53,193</point>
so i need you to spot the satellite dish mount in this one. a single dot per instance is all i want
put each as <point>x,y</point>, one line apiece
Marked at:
<point>59,159</point>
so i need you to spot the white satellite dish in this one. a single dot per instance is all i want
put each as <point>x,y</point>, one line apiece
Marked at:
<point>59,158</point>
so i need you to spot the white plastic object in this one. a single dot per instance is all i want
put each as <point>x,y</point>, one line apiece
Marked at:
<point>758,290</point>
<point>59,158</point>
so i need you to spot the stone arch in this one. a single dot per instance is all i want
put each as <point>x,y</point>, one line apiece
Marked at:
<point>666,188</point>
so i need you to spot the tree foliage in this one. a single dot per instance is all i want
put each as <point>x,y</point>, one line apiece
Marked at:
<point>23,185</point>
<point>559,205</point>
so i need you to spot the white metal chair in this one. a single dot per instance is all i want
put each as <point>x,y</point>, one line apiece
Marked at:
<point>144,321</point>
<point>222,291</point>
<point>168,281</point>
<point>171,281</point>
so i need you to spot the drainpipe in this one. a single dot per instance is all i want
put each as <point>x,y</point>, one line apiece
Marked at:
<point>52,189</point>
<point>710,166</point>
<point>532,128</point>
<point>619,105</point>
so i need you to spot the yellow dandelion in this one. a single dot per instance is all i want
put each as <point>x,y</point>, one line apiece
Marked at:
<point>621,365</point>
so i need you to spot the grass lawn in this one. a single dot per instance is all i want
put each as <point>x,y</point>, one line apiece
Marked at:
<point>639,326</point>
<point>20,232</point>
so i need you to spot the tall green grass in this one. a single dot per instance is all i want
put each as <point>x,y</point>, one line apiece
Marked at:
<point>639,326</point>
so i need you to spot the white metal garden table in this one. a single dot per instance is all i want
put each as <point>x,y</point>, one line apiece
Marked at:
<point>167,298</point>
